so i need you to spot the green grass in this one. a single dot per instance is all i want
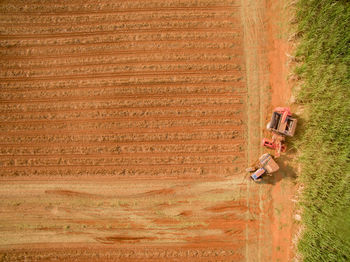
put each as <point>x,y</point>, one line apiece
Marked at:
<point>324,141</point>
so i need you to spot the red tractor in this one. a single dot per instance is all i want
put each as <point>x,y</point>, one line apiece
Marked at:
<point>265,164</point>
<point>282,124</point>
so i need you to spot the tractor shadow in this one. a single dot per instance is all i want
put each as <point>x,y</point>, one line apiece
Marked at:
<point>286,172</point>
<point>294,142</point>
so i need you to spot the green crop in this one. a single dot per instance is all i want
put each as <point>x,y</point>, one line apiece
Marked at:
<point>324,26</point>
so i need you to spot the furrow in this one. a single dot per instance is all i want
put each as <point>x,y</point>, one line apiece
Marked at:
<point>98,33</point>
<point>28,20</point>
<point>113,117</point>
<point>132,137</point>
<point>121,38</point>
<point>5,125</point>
<point>122,49</point>
<point>120,97</point>
<point>64,24</point>
<point>143,130</point>
<point>147,68</point>
<point>132,86</point>
<point>121,74</point>
<point>120,81</point>
<point>216,142</point>
<point>229,51</point>
<point>157,111</point>
<point>73,126</point>
<point>121,150</point>
<point>118,155</point>
<point>148,62</point>
<point>124,10</point>
<point>116,27</point>
<point>127,166</point>
<point>123,108</point>
<point>141,171</point>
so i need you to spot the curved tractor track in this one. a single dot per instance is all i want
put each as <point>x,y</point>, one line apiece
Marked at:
<point>125,130</point>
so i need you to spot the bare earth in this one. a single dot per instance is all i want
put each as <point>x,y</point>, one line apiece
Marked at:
<point>126,127</point>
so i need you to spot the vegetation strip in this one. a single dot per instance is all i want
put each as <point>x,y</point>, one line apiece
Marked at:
<point>325,141</point>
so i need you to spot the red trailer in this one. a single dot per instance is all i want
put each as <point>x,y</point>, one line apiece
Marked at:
<point>282,124</point>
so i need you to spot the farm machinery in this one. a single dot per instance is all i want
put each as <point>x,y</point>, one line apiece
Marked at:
<point>282,124</point>
<point>265,164</point>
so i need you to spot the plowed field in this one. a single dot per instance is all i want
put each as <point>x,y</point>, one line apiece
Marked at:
<point>125,130</point>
